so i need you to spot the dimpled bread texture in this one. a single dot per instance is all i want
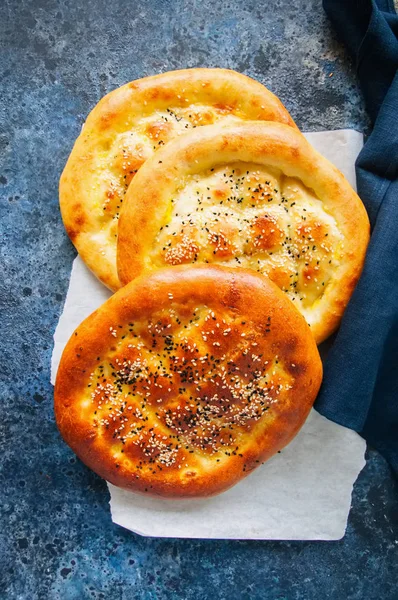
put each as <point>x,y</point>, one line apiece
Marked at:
<point>126,128</point>
<point>187,379</point>
<point>254,195</point>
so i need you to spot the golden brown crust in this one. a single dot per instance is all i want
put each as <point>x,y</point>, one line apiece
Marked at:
<point>185,380</point>
<point>255,195</point>
<point>126,127</point>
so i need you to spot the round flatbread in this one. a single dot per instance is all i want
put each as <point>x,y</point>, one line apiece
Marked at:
<point>187,379</point>
<point>126,128</point>
<point>253,195</point>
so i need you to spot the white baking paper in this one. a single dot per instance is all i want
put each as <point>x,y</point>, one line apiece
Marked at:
<point>303,493</point>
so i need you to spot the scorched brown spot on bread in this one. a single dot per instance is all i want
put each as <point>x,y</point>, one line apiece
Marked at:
<point>238,195</point>
<point>127,127</point>
<point>186,380</point>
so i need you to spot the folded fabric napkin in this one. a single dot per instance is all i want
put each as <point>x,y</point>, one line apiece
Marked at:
<point>360,388</point>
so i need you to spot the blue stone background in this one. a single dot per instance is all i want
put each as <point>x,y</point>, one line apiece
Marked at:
<point>58,57</point>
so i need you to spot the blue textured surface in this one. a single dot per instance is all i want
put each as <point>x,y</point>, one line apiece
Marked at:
<point>58,58</point>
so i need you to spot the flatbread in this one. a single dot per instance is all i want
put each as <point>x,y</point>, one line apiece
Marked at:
<point>126,128</point>
<point>186,380</point>
<point>254,195</point>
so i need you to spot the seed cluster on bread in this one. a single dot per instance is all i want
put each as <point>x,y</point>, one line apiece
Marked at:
<point>196,195</point>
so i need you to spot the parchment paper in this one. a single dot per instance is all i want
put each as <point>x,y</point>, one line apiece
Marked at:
<point>303,493</point>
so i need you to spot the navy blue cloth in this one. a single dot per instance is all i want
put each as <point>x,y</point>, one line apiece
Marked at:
<point>360,388</point>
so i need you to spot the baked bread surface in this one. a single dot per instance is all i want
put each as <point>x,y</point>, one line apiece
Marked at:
<point>126,128</point>
<point>254,195</point>
<point>187,379</point>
